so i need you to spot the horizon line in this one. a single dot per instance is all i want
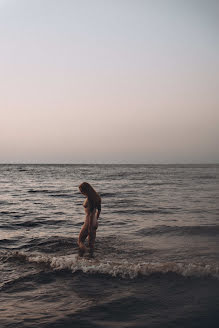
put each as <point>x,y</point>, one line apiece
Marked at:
<point>116,163</point>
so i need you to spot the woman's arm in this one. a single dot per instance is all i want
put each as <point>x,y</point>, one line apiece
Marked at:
<point>92,210</point>
<point>98,211</point>
<point>90,221</point>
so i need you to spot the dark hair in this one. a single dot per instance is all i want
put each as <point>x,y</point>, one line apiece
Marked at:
<point>94,199</point>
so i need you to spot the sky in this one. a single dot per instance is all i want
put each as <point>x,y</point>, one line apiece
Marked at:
<point>109,81</point>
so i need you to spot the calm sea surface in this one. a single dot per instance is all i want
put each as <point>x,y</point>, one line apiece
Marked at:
<point>156,259</point>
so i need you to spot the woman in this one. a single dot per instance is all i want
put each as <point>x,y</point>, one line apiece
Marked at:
<point>92,206</point>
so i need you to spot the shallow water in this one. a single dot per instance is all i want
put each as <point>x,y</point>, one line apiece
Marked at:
<point>156,260</point>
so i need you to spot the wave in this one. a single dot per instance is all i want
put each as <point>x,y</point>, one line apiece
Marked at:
<point>211,230</point>
<point>142,211</point>
<point>36,191</point>
<point>6,241</point>
<point>53,244</point>
<point>4,202</point>
<point>38,223</point>
<point>32,224</point>
<point>27,224</point>
<point>18,282</point>
<point>53,193</point>
<point>107,194</point>
<point>207,177</point>
<point>123,269</point>
<point>7,212</point>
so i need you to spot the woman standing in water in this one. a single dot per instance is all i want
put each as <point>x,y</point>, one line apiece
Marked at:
<point>92,206</point>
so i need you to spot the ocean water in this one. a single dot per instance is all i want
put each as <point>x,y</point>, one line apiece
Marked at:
<point>156,260</point>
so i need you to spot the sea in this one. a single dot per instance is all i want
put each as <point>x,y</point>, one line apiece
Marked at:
<point>156,259</point>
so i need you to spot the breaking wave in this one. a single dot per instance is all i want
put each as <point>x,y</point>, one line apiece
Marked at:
<point>123,269</point>
<point>210,230</point>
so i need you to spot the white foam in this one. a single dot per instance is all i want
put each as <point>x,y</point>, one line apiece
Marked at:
<point>124,269</point>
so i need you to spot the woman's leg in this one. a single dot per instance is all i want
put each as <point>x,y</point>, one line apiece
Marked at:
<point>81,239</point>
<point>91,239</point>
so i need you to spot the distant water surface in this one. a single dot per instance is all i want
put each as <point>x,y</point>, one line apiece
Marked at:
<point>157,250</point>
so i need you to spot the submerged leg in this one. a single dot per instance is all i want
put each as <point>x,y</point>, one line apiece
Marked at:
<point>81,239</point>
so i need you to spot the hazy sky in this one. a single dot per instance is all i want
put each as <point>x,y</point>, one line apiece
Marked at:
<point>102,81</point>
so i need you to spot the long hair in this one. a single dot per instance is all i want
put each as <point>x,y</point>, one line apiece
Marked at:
<point>94,199</point>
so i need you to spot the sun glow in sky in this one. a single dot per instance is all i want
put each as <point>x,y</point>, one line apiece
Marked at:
<point>113,81</point>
